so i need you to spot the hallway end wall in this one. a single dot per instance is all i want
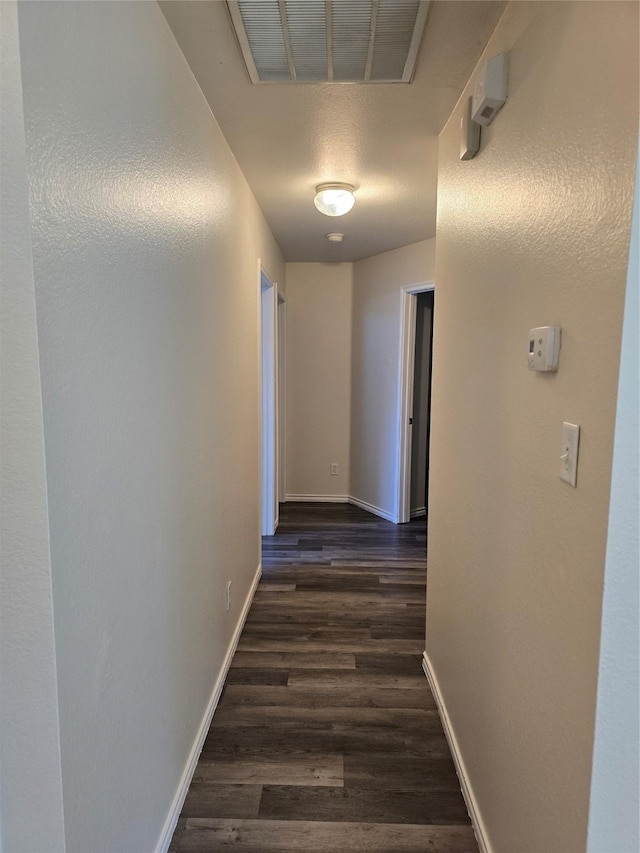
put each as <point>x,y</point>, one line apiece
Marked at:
<point>533,231</point>
<point>318,379</point>
<point>146,241</point>
<point>375,368</point>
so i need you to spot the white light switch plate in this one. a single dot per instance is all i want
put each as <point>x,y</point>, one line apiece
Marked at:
<point>569,453</point>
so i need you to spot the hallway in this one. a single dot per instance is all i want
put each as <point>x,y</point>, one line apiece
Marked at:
<point>327,738</point>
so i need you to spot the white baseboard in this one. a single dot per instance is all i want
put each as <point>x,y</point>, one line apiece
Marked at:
<point>467,792</point>
<point>376,510</point>
<point>190,767</point>
<point>418,513</point>
<point>343,499</point>
<point>322,499</point>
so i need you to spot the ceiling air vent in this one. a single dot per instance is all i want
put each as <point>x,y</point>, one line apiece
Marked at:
<point>320,41</point>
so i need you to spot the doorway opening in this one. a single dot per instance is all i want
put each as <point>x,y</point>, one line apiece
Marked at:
<point>420,420</point>
<point>414,407</point>
<point>269,402</point>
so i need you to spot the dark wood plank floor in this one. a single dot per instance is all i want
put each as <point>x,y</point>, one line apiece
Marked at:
<point>327,738</point>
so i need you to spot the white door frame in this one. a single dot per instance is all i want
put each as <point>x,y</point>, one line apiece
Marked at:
<point>281,340</point>
<point>268,314</point>
<point>408,302</point>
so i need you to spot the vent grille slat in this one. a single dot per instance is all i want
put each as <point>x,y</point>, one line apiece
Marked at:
<point>350,38</point>
<point>369,40</point>
<point>396,22</point>
<point>307,31</point>
<point>263,28</point>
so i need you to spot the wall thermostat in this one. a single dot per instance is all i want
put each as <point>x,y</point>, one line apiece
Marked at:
<point>544,348</point>
<point>491,90</point>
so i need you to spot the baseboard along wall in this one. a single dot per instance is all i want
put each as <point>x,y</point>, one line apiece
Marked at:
<point>190,767</point>
<point>467,791</point>
<point>344,499</point>
<point>376,510</point>
<point>321,499</point>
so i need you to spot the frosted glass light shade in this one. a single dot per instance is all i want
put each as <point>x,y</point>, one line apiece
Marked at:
<point>334,199</point>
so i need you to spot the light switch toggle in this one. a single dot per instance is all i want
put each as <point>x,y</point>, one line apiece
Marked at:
<point>569,453</point>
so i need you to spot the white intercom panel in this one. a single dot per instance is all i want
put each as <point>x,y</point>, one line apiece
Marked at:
<point>491,90</point>
<point>544,348</point>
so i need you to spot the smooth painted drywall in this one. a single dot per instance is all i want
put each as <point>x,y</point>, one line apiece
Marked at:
<point>533,231</point>
<point>421,401</point>
<point>146,242</point>
<point>375,368</point>
<point>615,796</point>
<point>318,378</point>
<point>31,814</point>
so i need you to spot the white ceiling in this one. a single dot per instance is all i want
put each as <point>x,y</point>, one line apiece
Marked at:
<point>383,138</point>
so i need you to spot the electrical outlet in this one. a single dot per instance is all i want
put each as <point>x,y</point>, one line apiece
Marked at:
<point>334,469</point>
<point>227,597</point>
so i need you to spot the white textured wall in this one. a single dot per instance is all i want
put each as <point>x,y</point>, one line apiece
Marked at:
<point>533,231</point>
<point>31,815</point>
<point>145,247</point>
<point>318,381</point>
<point>615,794</point>
<point>375,367</point>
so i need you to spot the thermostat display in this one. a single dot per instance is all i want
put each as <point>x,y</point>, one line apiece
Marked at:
<point>544,348</point>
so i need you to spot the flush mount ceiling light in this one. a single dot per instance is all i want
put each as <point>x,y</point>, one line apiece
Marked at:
<point>334,199</point>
